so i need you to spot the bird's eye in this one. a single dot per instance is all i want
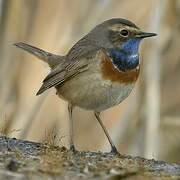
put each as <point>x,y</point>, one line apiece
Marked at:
<point>124,33</point>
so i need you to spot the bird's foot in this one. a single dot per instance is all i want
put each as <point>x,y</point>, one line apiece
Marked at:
<point>114,150</point>
<point>72,148</point>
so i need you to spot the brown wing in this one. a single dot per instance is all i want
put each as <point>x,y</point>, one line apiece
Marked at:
<point>76,61</point>
<point>63,72</point>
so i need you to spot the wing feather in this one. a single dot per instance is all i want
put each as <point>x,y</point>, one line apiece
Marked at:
<point>59,76</point>
<point>76,61</point>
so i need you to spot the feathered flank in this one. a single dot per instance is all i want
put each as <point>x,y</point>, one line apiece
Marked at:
<point>58,76</point>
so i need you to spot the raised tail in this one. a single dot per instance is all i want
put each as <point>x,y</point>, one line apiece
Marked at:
<point>51,59</point>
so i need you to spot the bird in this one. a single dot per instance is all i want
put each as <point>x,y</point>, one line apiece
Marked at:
<point>98,72</point>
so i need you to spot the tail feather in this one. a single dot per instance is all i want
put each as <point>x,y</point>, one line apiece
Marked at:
<point>51,59</point>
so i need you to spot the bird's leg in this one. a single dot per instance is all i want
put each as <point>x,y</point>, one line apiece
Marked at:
<point>70,109</point>
<point>113,147</point>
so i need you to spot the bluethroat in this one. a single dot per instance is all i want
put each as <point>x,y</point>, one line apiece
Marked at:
<point>98,72</point>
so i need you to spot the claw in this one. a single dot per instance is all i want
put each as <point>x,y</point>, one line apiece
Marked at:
<point>114,150</point>
<point>72,148</point>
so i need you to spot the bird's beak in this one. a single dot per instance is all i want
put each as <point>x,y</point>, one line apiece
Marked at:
<point>145,35</point>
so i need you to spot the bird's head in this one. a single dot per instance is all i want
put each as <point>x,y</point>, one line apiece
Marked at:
<point>125,35</point>
<point>121,38</point>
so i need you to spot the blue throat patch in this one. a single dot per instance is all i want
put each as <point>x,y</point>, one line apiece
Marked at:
<point>126,58</point>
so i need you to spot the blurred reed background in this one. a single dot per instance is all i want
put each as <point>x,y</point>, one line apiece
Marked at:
<point>146,124</point>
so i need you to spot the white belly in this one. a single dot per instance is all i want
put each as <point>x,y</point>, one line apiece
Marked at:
<point>92,93</point>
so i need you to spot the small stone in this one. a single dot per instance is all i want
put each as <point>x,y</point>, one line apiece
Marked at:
<point>86,170</point>
<point>113,171</point>
<point>63,149</point>
<point>13,165</point>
